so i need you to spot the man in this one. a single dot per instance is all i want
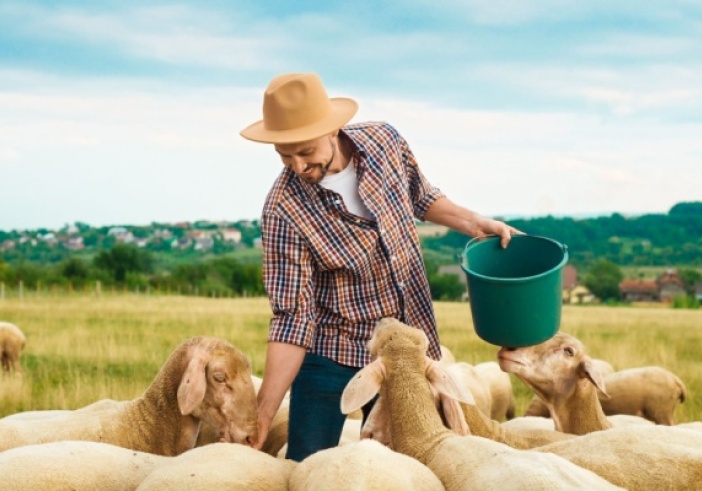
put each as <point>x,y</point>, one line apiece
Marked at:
<point>341,251</point>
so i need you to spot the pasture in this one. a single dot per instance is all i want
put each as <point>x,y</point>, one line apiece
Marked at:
<point>82,348</point>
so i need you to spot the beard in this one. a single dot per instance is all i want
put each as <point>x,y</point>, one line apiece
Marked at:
<point>315,177</point>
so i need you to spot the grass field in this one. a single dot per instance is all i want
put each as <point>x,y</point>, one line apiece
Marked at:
<point>84,348</point>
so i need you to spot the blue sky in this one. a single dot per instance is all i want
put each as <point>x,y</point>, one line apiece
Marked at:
<point>128,112</point>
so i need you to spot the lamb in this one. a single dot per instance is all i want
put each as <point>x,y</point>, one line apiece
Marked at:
<point>204,379</point>
<point>220,466</point>
<point>12,342</point>
<point>650,392</point>
<point>366,465</point>
<point>75,465</point>
<point>399,371</point>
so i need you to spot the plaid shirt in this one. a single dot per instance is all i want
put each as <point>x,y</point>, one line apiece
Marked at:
<point>331,275</point>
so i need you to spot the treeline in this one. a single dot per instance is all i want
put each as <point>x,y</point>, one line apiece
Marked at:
<point>595,246</point>
<point>130,267</point>
<point>671,240</point>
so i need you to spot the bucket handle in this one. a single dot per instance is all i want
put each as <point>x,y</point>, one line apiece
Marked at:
<point>479,238</point>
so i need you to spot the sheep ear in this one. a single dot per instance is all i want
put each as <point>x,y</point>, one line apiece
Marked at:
<point>451,393</point>
<point>191,391</point>
<point>445,384</point>
<point>593,373</point>
<point>363,386</point>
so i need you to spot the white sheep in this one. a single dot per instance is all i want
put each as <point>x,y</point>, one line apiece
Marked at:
<point>650,392</point>
<point>75,466</point>
<point>12,342</point>
<point>564,377</point>
<point>638,458</point>
<point>399,371</point>
<point>220,466</point>
<point>204,379</point>
<point>503,404</point>
<point>366,465</point>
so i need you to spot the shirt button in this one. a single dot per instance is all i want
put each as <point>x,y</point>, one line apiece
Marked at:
<point>393,258</point>
<point>401,284</point>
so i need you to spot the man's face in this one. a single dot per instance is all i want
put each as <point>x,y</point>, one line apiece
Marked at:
<point>311,159</point>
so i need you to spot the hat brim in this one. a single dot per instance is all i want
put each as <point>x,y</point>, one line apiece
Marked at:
<point>343,109</point>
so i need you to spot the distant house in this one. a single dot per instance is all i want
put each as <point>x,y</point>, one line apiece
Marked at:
<point>663,289</point>
<point>573,291</point>
<point>698,291</point>
<point>639,290</point>
<point>670,285</point>
<point>230,235</point>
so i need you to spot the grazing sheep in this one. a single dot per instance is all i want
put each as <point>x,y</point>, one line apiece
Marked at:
<point>649,392</point>
<point>12,342</point>
<point>400,371</point>
<point>501,392</point>
<point>76,466</point>
<point>366,465</point>
<point>277,436</point>
<point>638,458</point>
<point>220,466</point>
<point>204,379</point>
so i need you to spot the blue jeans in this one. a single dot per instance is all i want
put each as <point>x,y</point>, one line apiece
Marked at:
<point>315,420</point>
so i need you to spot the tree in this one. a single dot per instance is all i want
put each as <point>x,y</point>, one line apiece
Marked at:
<point>690,278</point>
<point>603,280</point>
<point>123,259</point>
<point>446,287</point>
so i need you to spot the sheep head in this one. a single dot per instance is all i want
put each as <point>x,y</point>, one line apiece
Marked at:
<point>216,388</point>
<point>553,367</point>
<point>391,342</point>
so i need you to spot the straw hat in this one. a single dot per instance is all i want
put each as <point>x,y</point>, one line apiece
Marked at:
<point>296,108</point>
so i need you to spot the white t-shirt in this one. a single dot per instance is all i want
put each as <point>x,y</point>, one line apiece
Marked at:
<point>346,184</point>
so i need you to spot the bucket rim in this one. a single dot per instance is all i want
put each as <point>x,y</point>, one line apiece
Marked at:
<point>521,279</point>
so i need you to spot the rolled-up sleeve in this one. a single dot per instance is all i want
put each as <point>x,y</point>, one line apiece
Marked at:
<point>288,278</point>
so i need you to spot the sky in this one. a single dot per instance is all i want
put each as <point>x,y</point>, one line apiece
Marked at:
<point>128,112</point>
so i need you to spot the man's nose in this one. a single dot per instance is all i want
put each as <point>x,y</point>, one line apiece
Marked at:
<point>298,164</point>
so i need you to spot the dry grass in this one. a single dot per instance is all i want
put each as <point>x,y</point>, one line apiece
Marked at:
<point>82,348</point>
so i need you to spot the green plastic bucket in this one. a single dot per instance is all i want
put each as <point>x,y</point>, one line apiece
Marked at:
<point>515,293</point>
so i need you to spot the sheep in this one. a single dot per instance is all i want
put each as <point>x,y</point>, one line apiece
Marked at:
<point>204,379</point>
<point>399,371</point>
<point>641,457</point>
<point>220,466</point>
<point>447,357</point>
<point>366,465</point>
<point>502,395</point>
<point>650,392</point>
<point>12,342</point>
<point>536,407</point>
<point>562,374</point>
<point>75,465</point>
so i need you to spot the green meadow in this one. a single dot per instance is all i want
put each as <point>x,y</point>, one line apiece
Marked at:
<point>83,348</point>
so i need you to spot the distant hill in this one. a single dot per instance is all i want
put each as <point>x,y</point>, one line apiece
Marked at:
<point>673,239</point>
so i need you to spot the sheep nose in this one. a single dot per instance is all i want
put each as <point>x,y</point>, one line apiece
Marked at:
<point>250,440</point>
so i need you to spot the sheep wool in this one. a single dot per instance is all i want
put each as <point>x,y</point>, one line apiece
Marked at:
<point>400,370</point>
<point>204,379</point>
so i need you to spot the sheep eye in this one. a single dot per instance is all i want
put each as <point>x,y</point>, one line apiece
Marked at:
<point>569,351</point>
<point>218,377</point>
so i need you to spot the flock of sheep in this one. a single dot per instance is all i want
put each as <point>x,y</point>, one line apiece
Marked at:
<point>444,425</point>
